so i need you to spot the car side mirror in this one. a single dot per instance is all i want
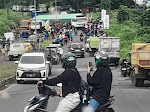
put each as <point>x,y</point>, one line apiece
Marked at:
<point>16,62</point>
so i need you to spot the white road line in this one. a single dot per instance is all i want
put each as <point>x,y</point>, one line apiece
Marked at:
<point>7,89</point>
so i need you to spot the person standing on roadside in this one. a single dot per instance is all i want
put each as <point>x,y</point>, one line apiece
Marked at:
<point>3,51</point>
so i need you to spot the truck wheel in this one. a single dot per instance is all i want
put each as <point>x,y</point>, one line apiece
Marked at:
<point>141,83</point>
<point>116,63</point>
<point>136,82</point>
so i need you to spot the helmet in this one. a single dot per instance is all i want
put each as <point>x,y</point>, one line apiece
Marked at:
<point>68,60</point>
<point>102,58</point>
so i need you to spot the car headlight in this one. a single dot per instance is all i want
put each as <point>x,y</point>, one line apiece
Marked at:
<point>20,68</point>
<point>41,68</point>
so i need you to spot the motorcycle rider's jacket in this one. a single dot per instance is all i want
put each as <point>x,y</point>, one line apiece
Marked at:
<point>101,82</point>
<point>70,81</point>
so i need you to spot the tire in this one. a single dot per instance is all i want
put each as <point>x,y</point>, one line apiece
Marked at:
<point>83,56</point>
<point>49,72</point>
<point>136,82</point>
<point>19,81</point>
<point>116,63</point>
<point>109,110</point>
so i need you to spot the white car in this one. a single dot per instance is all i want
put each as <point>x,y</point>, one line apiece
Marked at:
<point>33,66</point>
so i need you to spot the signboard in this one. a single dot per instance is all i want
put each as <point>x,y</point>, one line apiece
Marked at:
<point>47,27</point>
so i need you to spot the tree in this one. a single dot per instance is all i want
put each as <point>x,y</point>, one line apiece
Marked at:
<point>145,18</point>
<point>106,4</point>
<point>123,14</point>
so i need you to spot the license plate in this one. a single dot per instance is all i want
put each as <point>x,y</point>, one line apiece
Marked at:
<point>77,50</point>
<point>124,69</point>
<point>30,75</point>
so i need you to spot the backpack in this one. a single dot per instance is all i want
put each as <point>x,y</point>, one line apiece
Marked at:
<point>84,90</point>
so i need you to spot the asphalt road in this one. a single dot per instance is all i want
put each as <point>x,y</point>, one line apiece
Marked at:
<point>127,97</point>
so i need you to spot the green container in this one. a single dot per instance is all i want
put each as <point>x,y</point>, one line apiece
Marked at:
<point>94,42</point>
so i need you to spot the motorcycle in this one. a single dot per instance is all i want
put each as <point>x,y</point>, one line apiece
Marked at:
<point>126,68</point>
<point>39,103</point>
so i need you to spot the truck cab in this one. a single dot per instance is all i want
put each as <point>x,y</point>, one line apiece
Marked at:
<point>25,24</point>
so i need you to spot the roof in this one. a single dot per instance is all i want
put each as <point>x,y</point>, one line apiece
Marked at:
<point>33,54</point>
<point>59,16</point>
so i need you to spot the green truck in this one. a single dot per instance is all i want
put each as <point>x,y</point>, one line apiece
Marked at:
<point>94,45</point>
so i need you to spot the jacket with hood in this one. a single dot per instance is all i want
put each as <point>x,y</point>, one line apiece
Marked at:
<point>70,80</point>
<point>101,82</point>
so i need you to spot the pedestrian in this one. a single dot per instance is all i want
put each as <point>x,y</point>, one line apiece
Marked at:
<point>3,51</point>
<point>70,37</point>
<point>46,36</point>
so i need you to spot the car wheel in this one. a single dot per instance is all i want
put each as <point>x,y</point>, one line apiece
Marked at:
<point>83,56</point>
<point>49,72</point>
<point>19,81</point>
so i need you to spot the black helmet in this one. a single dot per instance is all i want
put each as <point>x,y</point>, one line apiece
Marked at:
<point>68,60</point>
<point>102,58</point>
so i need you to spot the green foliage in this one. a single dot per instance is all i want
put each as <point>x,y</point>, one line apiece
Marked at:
<point>145,18</point>
<point>106,4</point>
<point>7,71</point>
<point>46,43</point>
<point>123,14</point>
<point>96,15</point>
<point>7,19</point>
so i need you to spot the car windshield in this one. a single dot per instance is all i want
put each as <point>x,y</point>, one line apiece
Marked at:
<point>77,46</point>
<point>24,23</point>
<point>81,19</point>
<point>33,23</point>
<point>32,60</point>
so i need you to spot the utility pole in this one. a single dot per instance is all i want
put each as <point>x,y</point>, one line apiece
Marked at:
<point>35,23</point>
<point>56,8</point>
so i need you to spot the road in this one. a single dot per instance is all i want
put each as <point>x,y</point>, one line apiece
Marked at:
<point>127,97</point>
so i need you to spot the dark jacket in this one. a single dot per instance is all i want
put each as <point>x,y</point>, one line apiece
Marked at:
<point>70,80</point>
<point>101,82</point>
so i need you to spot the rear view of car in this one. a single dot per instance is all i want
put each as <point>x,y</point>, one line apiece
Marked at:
<point>33,66</point>
<point>77,49</point>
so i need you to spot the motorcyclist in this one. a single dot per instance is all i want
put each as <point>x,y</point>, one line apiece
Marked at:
<point>101,82</point>
<point>70,80</point>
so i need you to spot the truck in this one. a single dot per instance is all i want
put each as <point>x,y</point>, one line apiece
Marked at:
<point>111,45</point>
<point>140,61</point>
<point>25,24</point>
<point>16,50</point>
<point>94,45</point>
<point>39,25</point>
<point>79,21</point>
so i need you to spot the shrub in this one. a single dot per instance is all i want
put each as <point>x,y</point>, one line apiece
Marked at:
<point>123,14</point>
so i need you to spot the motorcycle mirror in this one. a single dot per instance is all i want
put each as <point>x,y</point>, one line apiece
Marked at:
<point>59,84</point>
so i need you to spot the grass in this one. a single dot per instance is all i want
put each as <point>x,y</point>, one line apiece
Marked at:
<point>46,43</point>
<point>7,71</point>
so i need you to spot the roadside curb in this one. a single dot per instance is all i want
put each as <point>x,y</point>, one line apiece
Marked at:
<point>7,81</point>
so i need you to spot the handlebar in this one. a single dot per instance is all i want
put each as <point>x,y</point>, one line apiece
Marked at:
<point>45,90</point>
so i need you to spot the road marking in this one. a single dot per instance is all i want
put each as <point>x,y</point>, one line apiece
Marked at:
<point>7,89</point>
